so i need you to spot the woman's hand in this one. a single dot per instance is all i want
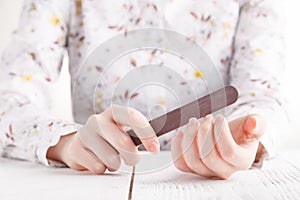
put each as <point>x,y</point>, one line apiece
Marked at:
<point>216,148</point>
<point>103,141</point>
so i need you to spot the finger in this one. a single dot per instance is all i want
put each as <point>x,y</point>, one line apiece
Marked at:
<point>89,162</point>
<point>104,126</point>
<point>139,123</point>
<point>121,141</point>
<point>99,147</point>
<point>209,155</point>
<point>177,153</point>
<point>255,126</point>
<point>204,141</point>
<point>190,150</point>
<point>228,149</point>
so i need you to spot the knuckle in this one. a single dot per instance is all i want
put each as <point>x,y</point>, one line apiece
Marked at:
<point>82,131</point>
<point>92,119</point>
<point>81,140</point>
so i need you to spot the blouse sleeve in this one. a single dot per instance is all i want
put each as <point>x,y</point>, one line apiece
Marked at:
<point>30,64</point>
<point>257,67</point>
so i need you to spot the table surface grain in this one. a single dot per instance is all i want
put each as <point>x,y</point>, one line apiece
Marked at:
<point>278,179</point>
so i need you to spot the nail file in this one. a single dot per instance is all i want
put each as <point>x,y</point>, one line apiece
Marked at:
<point>199,108</point>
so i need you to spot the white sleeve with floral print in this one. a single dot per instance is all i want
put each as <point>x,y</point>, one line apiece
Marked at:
<point>29,66</point>
<point>257,68</point>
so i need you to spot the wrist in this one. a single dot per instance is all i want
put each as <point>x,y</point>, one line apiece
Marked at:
<point>57,152</point>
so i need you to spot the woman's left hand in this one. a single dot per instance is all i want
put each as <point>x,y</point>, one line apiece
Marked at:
<point>216,148</point>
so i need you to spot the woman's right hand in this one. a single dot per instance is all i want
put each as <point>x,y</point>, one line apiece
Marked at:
<point>103,141</point>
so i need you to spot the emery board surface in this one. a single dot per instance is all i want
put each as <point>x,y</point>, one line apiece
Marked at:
<point>199,108</point>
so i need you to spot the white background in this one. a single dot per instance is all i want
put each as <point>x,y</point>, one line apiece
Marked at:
<point>9,15</point>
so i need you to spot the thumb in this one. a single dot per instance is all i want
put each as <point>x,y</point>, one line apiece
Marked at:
<point>255,126</point>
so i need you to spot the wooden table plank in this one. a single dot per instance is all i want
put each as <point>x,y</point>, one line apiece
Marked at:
<point>156,178</point>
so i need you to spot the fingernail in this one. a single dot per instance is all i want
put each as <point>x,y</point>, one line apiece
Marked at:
<point>220,118</point>
<point>179,134</point>
<point>153,147</point>
<point>251,124</point>
<point>209,118</point>
<point>192,121</point>
<point>138,119</point>
<point>255,127</point>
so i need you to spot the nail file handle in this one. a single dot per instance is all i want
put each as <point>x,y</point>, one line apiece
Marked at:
<point>199,108</point>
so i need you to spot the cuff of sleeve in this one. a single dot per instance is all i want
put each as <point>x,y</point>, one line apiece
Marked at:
<point>63,130</point>
<point>268,151</point>
<point>260,158</point>
<point>268,146</point>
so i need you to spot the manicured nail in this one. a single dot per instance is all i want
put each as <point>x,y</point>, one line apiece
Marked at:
<point>220,118</point>
<point>192,121</point>
<point>256,123</point>
<point>251,124</point>
<point>138,119</point>
<point>252,131</point>
<point>209,118</point>
<point>153,147</point>
<point>179,134</point>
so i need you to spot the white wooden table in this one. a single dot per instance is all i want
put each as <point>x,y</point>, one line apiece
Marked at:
<point>278,179</point>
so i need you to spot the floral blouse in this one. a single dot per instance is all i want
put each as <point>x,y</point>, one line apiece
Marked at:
<point>243,38</point>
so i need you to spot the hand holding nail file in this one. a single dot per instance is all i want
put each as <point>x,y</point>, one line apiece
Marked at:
<point>101,142</point>
<point>198,109</point>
